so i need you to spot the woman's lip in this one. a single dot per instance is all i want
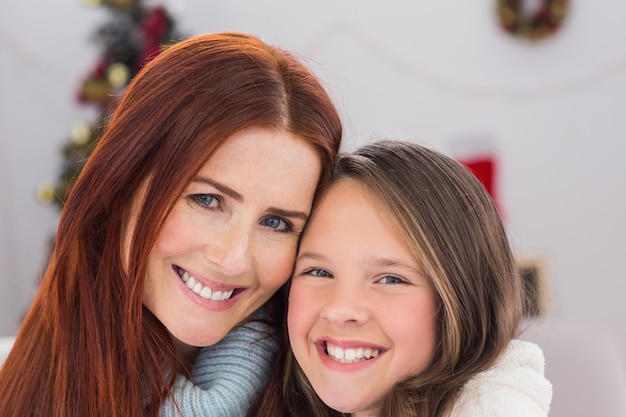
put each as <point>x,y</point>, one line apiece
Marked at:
<point>209,304</point>
<point>214,285</point>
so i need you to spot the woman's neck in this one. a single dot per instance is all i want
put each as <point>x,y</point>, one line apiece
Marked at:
<point>186,351</point>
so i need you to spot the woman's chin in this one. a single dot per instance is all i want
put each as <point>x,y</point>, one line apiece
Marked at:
<point>192,342</point>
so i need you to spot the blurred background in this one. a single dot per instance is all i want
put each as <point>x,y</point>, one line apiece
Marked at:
<point>532,94</point>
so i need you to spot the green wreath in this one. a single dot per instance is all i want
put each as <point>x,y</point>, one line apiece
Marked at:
<point>532,20</point>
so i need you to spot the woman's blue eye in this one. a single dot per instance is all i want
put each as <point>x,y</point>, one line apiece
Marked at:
<point>205,200</point>
<point>276,223</point>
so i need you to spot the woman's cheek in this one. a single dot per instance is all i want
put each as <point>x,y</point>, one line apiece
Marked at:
<point>278,267</point>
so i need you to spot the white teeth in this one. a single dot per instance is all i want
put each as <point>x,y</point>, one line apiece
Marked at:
<point>350,355</point>
<point>339,353</point>
<point>191,282</point>
<point>220,295</point>
<point>204,292</point>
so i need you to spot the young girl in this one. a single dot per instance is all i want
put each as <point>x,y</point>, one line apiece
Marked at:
<point>405,299</point>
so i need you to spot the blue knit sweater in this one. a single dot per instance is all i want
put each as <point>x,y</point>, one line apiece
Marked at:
<point>227,376</point>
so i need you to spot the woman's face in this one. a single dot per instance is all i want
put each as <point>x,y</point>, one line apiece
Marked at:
<point>229,243</point>
<point>361,312</point>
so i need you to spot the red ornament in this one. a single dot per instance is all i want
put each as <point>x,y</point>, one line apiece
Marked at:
<point>153,29</point>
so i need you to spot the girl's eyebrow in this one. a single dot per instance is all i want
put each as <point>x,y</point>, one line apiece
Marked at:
<point>378,262</point>
<point>395,263</point>
<point>312,256</point>
<point>238,197</point>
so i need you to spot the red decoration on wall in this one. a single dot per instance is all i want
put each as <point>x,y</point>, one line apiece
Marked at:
<point>484,167</point>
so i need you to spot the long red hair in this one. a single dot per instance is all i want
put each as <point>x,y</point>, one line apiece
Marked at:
<point>87,347</point>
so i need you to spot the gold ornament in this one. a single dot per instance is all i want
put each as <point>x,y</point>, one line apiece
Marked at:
<point>118,75</point>
<point>46,193</point>
<point>115,4</point>
<point>96,89</point>
<point>80,133</point>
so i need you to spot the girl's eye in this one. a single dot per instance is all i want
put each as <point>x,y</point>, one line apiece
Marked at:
<point>277,224</point>
<point>392,279</point>
<point>316,272</point>
<point>206,200</point>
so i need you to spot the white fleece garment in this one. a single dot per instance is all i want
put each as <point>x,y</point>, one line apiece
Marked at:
<point>514,387</point>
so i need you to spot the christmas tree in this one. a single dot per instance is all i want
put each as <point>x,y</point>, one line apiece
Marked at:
<point>132,36</point>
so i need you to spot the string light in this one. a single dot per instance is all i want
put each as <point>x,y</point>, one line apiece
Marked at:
<point>401,64</point>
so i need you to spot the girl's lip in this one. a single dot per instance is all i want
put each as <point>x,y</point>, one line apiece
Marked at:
<point>348,344</point>
<point>351,365</point>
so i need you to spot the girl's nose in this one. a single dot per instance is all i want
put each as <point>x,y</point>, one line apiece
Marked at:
<point>345,305</point>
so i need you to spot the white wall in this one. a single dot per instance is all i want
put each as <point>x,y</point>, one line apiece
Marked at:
<point>433,72</point>
<point>44,52</point>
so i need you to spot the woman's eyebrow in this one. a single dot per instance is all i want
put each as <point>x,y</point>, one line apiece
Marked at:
<point>223,188</point>
<point>236,196</point>
<point>289,213</point>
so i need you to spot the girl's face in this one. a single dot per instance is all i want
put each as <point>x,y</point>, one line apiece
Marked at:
<point>230,241</point>
<point>361,312</point>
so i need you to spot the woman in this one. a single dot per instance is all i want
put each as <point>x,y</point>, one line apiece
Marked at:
<point>183,223</point>
<point>404,300</point>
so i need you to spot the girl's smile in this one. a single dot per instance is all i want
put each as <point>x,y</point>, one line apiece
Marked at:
<point>347,356</point>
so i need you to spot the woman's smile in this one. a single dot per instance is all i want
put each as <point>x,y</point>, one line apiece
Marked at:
<point>211,292</point>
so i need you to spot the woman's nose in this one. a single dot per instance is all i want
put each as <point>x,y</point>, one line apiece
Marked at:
<point>345,305</point>
<point>229,249</point>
